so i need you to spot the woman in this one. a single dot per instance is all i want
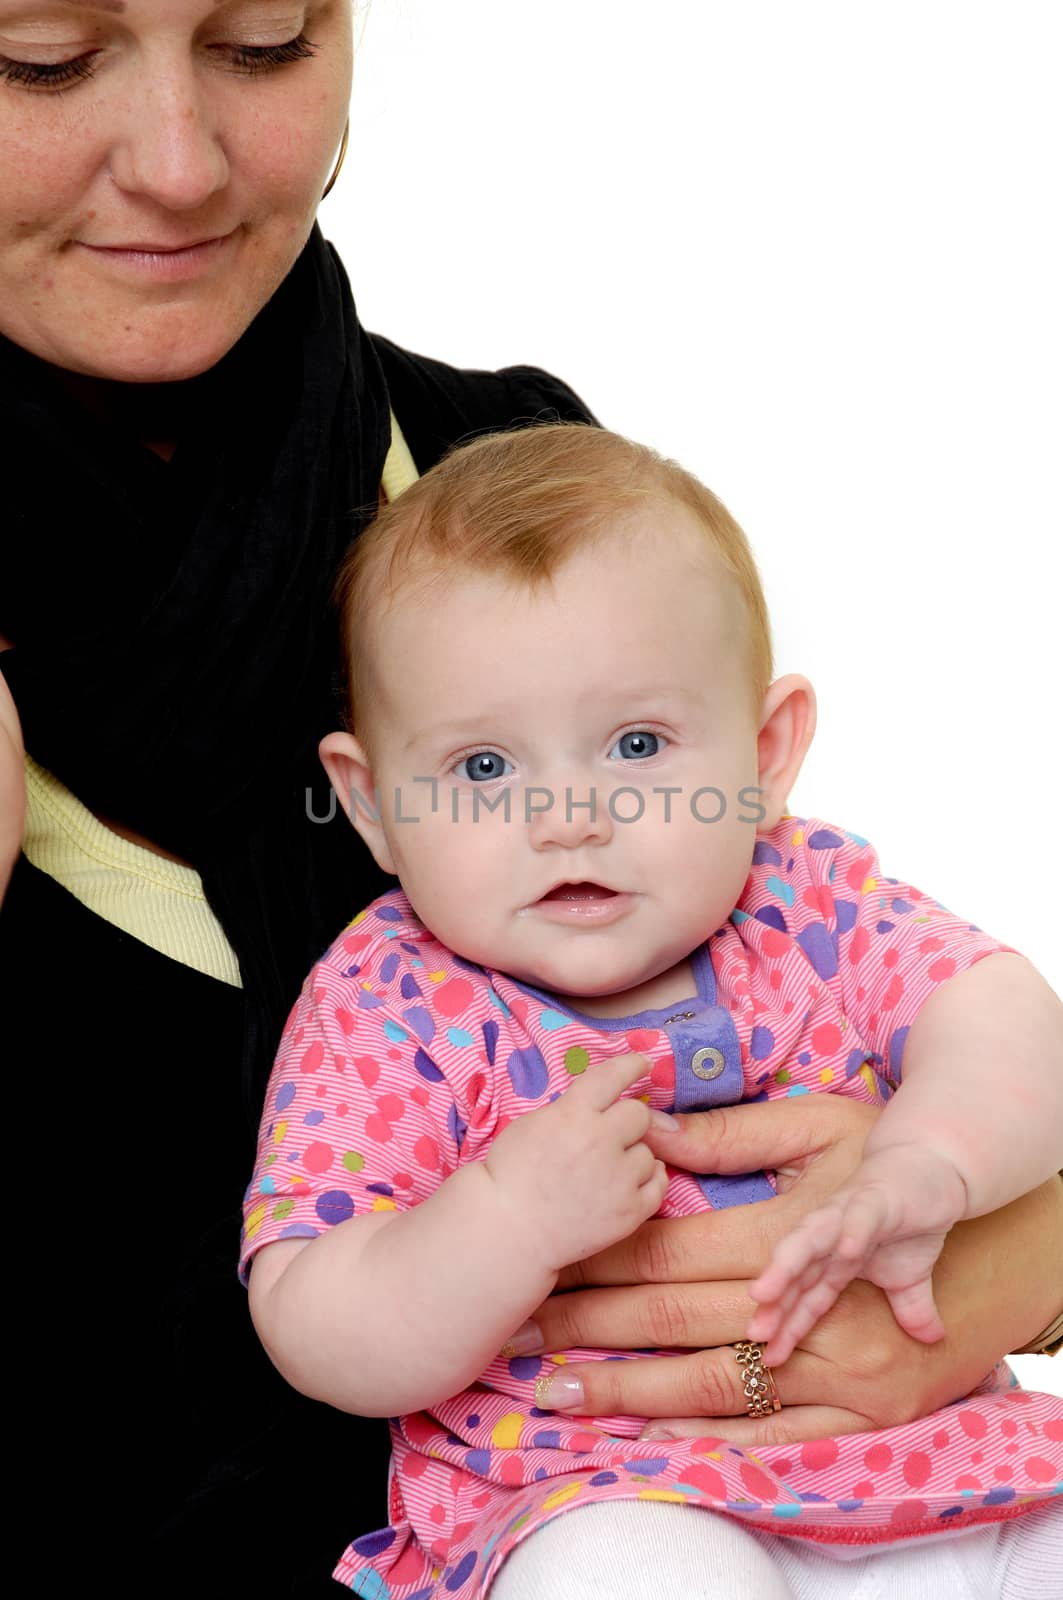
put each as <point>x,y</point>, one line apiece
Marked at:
<point>195,426</point>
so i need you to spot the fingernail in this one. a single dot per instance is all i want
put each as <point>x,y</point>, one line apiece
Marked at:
<point>662,1120</point>
<point>527,1339</point>
<point>555,1393</point>
<point>656,1432</point>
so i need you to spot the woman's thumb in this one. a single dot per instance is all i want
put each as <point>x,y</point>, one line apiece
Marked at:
<point>765,1134</point>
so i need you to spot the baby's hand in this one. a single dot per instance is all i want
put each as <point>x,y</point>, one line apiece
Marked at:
<point>576,1176</point>
<point>887,1224</point>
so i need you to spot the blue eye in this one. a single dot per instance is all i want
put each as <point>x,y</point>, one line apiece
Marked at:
<point>484,766</point>
<point>636,746</point>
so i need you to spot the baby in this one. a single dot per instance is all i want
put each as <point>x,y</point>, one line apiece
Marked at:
<point>568,746</point>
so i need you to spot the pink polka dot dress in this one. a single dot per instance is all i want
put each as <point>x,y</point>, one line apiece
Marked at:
<point>401,1062</point>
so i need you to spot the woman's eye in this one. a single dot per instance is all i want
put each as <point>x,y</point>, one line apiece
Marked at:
<point>636,746</point>
<point>263,58</point>
<point>484,766</point>
<point>243,58</point>
<point>47,74</point>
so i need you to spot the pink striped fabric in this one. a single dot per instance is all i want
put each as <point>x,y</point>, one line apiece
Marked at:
<point>400,1063</point>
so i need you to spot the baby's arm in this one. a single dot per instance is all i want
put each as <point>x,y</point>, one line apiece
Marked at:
<point>391,1312</point>
<point>977,1121</point>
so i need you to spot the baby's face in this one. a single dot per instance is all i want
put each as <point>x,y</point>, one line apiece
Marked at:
<point>541,722</point>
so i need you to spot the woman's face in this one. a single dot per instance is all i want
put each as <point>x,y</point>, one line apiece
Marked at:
<point>162,164</point>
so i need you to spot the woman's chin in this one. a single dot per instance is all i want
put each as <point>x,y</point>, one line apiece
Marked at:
<point>139,356</point>
<point>117,340</point>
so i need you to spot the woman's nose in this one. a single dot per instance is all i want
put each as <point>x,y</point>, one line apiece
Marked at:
<point>170,149</point>
<point>567,817</point>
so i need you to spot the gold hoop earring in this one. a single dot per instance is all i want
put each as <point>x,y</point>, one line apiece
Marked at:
<point>339,159</point>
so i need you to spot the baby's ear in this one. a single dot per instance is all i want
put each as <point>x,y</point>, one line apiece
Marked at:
<point>787,724</point>
<point>347,765</point>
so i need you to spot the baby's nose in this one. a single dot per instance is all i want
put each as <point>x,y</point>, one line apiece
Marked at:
<point>566,817</point>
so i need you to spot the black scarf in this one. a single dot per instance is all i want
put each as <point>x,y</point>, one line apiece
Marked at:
<point>176,659</point>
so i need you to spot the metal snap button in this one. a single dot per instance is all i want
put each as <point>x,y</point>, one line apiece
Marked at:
<point>707,1063</point>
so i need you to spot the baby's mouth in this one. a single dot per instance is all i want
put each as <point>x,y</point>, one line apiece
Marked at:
<point>583,903</point>
<point>580,891</point>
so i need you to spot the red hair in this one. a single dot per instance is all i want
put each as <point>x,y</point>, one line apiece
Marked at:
<point>519,504</point>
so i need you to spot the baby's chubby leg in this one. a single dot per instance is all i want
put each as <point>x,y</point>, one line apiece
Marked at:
<point>634,1550</point>
<point>631,1550</point>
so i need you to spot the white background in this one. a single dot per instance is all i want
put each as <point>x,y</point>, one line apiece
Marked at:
<point>813,251</point>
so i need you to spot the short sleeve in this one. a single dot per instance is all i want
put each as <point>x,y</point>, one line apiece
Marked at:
<point>879,944</point>
<point>347,1128</point>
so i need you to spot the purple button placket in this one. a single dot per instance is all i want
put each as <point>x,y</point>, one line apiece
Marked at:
<point>708,1072</point>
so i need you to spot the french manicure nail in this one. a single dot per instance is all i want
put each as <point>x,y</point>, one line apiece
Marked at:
<point>555,1393</point>
<point>656,1432</point>
<point>662,1120</point>
<point>525,1342</point>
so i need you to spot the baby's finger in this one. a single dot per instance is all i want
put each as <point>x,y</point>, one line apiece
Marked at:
<point>606,1081</point>
<point>865,1217</point>
<point>765,1321</point>
<point>770,1315</point>
<point>813,1305</point>
<point>653,1190</point>
<point>640,1164</point>
<point>916,1312</point>
<point>810,1241</point>
<point>626,1121</point>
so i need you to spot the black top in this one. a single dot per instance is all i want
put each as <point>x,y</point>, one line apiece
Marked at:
<point>159,1449</point>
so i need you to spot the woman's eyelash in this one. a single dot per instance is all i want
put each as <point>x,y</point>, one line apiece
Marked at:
<point>249,59</point>
<point>260,58</point>
<point>46,75</point>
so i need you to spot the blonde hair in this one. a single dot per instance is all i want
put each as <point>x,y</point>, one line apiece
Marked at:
<point>520,503</point>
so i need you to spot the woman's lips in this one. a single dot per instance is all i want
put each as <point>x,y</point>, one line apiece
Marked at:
<point>160,262</point>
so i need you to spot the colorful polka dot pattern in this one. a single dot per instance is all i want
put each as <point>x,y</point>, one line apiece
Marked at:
<point>400,1062</point>
<point>469,1485</point>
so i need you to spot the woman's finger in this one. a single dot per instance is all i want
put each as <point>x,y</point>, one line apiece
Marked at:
<point>715,1244</point>
<point>811,1154</point>
<point>708,1383</point>
<point>862,1363</point>
<point>767,1134</point>
<point>674,1316</point>
<point>791,1425</point>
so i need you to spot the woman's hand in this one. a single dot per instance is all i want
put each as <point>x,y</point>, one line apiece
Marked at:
<point>12,782</point>
<point>683,1284</point>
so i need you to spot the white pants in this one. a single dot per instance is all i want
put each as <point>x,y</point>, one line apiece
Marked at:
<point>630,1550</point>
